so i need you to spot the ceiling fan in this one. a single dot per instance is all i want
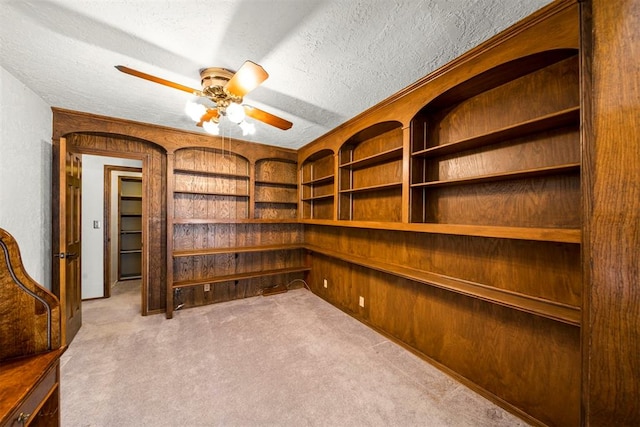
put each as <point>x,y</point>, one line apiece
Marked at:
<point>226,90</point>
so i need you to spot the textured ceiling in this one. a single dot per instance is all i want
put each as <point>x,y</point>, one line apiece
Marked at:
<point>328,60</point>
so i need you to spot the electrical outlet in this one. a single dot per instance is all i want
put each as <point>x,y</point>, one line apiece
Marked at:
<point>324,282</point>
<point>207,287</point>
<point>362,302</point>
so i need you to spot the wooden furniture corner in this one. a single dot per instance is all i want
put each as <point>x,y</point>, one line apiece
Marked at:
<point>29,345</point>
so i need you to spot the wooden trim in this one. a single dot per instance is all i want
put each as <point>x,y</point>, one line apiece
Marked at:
<point>69,121</point>
<point>169,236</point>
<point>237,249</point>
<point>561,235</point>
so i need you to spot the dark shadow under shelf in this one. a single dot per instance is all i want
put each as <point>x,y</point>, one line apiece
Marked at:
<point>238,276</point>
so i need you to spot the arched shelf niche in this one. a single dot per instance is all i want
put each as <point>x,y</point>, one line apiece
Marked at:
<point>370,174</point>
<point>502,148</point>
<point>209,183</point>
<point>317,185</point>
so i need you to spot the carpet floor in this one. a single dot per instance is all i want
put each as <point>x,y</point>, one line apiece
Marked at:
<point>289,359</point>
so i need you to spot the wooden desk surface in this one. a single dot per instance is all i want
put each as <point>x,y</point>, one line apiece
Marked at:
<point>19,376</point>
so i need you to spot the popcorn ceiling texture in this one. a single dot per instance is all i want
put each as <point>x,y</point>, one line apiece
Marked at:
<point>328,60</point>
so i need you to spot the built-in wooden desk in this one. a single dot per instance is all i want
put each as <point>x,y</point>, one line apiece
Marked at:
<point>29,345</point>
<point>29,390</point>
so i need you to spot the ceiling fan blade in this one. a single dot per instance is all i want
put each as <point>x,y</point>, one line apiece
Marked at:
<point>155,79</point>
<point>246,79</point>
<point>267,118</point>
<point>211,113</point>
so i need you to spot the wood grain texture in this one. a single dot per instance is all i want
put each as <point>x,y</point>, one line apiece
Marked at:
<point>545,270</point>
<point>611,336</point>
<point>29,314</point>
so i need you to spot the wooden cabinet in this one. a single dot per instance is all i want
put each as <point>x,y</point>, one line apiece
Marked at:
<point>233,227</point>
<point>129,228</point>
<point>317,186</point>
<point>370,181</point>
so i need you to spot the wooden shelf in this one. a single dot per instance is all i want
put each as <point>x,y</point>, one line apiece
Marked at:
<point>131,251</point>
<point>277,184</point>
<point>239,276</point>
<point>277,202</point>
<point>207,173</point>
<point>373,188</point>
<point>130,231</point>
<point>237,249</point>
<point>560,235</point>
<point>130,197</point>
<point>538,306</point>
<point>570,116</point>
<point>548,170</point>
<point>211,193</point>
<point>392,154</point>
<point>324,196</point>
<point>130,214</point>
<point>322,180</point>
<point>233,221</point>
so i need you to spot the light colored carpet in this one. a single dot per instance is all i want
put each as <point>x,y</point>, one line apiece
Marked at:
<point>284,360</point>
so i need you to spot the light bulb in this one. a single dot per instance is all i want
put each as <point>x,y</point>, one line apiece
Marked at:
<point>235,113</point>
<point>211,127</point>
<point>195,110</point>
<point>247,128</point>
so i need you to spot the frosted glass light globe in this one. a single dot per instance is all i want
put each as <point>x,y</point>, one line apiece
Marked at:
<point>235,113</point>
<point>211,127</point>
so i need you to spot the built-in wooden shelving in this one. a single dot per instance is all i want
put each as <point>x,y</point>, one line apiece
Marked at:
<point>549,309</point>
<point>234,224</point>
<point>565,117</point>
<point>129,227</point>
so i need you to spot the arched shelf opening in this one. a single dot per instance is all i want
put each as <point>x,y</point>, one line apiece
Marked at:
<point>317,176</point>
<point>370,174</point>
<point>502,148</point>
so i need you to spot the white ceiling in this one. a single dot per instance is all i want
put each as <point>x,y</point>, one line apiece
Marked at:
<point>328,60</point>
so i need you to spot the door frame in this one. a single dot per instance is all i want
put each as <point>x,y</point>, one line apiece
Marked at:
<point>108,170</point>
<point>55,213</point>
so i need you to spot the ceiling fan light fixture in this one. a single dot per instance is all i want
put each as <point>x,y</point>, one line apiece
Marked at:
<point>235,113</point>
<point>211,127</point>
<point>195,110</point>
<point>247,128</point>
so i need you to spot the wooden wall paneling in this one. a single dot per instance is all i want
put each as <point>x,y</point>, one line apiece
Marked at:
<point>549,271</point>
<point>611,337</point>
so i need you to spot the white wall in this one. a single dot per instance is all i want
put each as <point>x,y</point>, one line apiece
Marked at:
<point>93,210</point>
<point>25,174</point>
